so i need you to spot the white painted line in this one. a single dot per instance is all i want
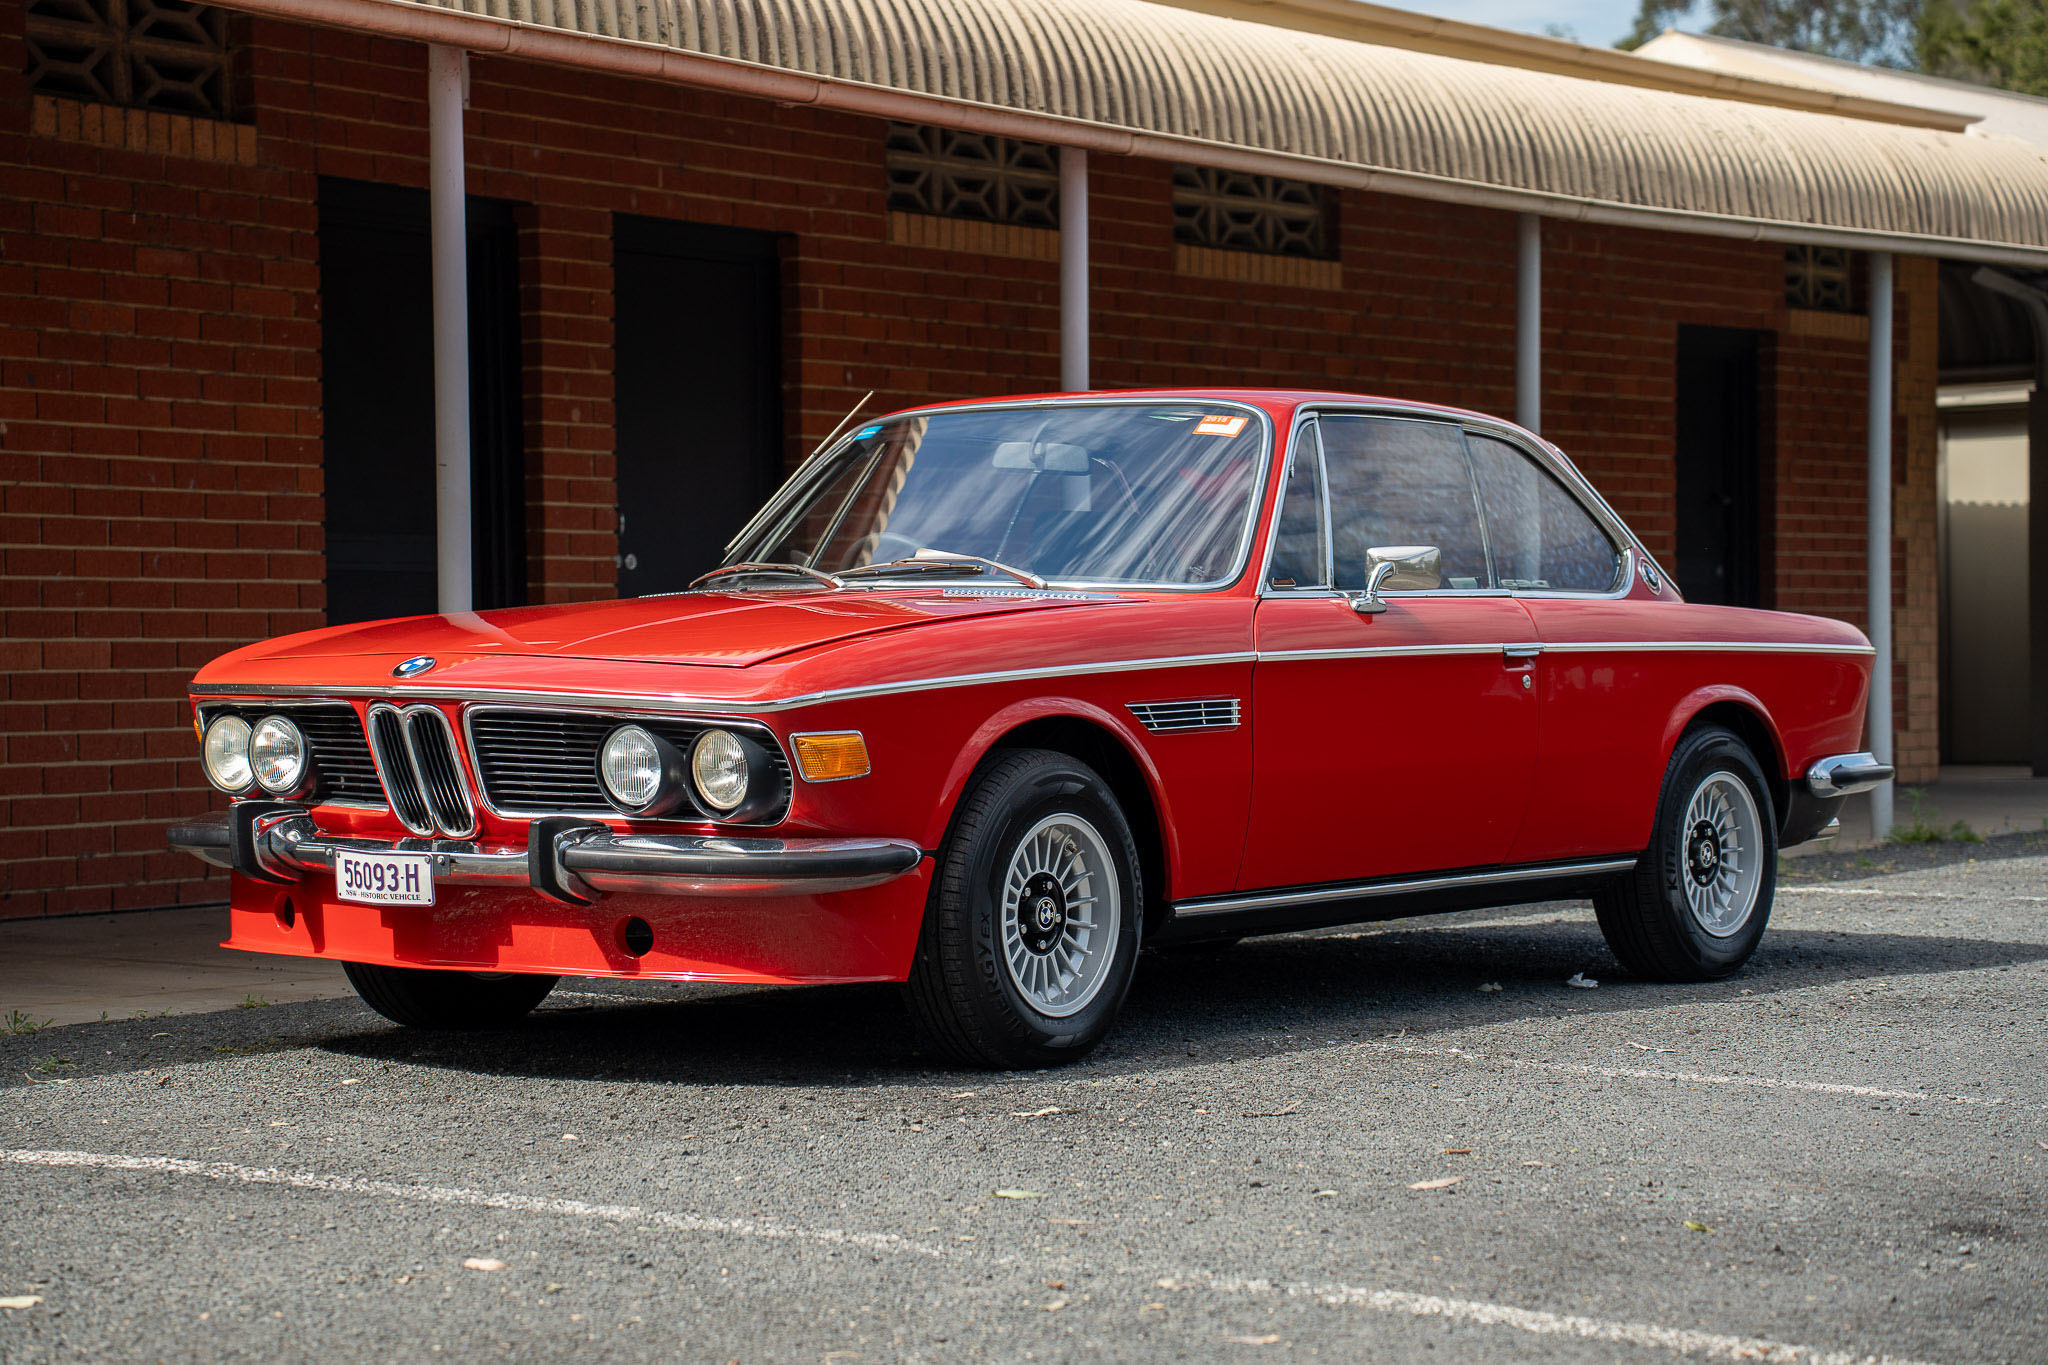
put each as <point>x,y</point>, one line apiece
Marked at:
<point>436,1194</point>
<point>1635,1073</point>
<point>1678,1341</point>
<point>1906,895</point>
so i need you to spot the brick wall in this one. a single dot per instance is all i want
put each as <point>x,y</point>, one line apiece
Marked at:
<point>160,476</point>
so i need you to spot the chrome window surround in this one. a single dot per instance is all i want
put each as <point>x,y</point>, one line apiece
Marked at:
<point>438,805</point>
<point>1548,458</point>
<point>625,715</point>
<point>812,469</point>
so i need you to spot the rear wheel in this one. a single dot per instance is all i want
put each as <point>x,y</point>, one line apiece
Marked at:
<point>419,998</point>
<point>1032,929</point>
<point>1695,905</point>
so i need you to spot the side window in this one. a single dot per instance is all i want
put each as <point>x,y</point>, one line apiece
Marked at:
<point>1543,539</point>
<point>1398,481</point>
<point>1298,539</point>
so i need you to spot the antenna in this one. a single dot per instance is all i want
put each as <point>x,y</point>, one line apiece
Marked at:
<point>844,423</point>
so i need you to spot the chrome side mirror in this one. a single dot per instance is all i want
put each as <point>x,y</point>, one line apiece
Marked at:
<point>1410,568</point>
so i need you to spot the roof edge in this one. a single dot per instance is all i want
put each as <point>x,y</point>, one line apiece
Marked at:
<point>429,23</point>
<point>1377,24</point>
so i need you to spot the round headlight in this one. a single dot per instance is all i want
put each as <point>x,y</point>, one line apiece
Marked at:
<point>641,771</point>
<point>277,755</point>
<point>718,765</point>
<point>225,751</point>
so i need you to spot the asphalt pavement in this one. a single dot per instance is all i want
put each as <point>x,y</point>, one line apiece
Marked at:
<point>1376,1142</point>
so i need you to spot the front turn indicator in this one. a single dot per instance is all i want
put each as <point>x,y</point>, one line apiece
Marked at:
<point>831,757</point>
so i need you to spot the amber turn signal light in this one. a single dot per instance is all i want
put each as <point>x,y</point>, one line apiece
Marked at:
<point>831,757</point>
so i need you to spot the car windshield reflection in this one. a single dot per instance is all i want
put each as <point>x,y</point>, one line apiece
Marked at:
<point>1101,493</point>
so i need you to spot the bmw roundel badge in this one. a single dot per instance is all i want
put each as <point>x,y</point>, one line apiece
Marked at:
<point>419,663</point>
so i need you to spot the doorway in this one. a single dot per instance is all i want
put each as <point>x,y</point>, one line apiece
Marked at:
<point>1718,555</point>
<point>697,357</point>
<point>377,365</point>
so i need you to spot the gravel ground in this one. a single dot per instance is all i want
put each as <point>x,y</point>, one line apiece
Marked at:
<point>1842,1150</point>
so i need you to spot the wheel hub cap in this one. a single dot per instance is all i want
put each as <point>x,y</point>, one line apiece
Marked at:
<point>1723,852</point>
<point>1061,914</point>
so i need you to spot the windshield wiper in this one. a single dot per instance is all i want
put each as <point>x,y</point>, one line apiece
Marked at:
<point>788,570</point>
<point>949,563</point>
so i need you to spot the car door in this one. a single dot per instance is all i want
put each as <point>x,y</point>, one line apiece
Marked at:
<point>1393,743</point>
<point>1603,710</point>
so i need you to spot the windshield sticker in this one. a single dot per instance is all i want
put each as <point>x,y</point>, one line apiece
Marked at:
<point>866,432</point>
<point>1220,426</point>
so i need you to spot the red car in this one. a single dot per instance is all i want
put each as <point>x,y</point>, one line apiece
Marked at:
<point>992,694</point>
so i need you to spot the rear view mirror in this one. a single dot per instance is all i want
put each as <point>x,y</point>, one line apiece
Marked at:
<point>1398,568</point>
<point>1045,457</point>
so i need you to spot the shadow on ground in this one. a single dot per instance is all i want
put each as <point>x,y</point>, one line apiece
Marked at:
<point>1261,998</point>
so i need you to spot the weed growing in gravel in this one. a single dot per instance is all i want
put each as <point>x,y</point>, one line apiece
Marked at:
<point>49,1065</point>
<point>19,1025</point>
<point>1919,830</point>
<point>252,1002</point>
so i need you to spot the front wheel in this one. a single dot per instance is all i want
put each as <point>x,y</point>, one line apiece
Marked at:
<point>1032,929</point>
<point>1695,905</point>
<point>419,998</point>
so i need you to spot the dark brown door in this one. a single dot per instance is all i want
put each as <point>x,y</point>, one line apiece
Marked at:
<point>1718,556</point>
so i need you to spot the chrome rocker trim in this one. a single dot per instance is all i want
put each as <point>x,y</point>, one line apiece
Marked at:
<point>569,860</point>
<point>1348,891</point>
<point>1847,774</point>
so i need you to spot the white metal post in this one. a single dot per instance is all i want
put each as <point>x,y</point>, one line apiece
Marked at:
<point>446,68</point>
<point>1073,269</point>
<point>1529,321</point>
<point>1880,551</point>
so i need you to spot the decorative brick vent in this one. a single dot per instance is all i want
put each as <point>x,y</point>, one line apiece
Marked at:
<point>951,174</point>
<point>165,55</point>
<point>1233,211</point>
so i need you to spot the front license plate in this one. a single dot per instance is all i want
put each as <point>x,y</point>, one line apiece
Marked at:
<point>384,878</point>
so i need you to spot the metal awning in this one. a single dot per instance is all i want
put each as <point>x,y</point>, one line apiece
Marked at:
<point>1134,78</point>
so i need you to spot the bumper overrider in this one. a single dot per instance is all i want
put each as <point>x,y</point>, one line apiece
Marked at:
<point>566,859</point>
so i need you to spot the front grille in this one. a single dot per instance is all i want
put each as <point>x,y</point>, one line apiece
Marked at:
<point>334,735</point>
<point>545,762</point>
<point>415,752</point>
<point>1174,717</point>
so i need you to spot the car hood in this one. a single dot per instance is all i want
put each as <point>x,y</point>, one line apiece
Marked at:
<point>729,630</point>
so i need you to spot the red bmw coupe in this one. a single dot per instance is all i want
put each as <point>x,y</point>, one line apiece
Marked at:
<point>992,694</point>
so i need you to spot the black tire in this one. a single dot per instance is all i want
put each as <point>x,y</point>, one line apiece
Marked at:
<point>1645,914</point>
<point>962,991</point>
<point>419,998</point>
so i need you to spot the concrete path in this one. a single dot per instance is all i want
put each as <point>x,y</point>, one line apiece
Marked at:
<point>77,968</point>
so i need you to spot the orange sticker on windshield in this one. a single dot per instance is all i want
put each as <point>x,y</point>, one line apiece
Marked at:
<point>1220,426</point>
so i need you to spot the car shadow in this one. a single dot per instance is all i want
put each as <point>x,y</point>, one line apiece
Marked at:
<point>1259,998</point>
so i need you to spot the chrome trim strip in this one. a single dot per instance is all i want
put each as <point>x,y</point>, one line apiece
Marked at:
<point>1847,774</point>
<point>1346,891</point>
<point>1376,652</point>
<point>814,468</point>
<point>1700,647</point>
<point>658,703</point>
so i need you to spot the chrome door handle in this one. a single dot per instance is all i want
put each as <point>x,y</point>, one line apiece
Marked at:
<point>1519,654</point>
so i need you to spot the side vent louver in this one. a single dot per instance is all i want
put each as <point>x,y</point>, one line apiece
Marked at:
<point>1176,717</point>
<point>415,752</point>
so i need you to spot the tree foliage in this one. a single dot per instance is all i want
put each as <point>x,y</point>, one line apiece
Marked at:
<point>1872,32</point>
<point>1992,42</point>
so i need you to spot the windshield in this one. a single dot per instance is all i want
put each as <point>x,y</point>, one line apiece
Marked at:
<point>1097,493</point>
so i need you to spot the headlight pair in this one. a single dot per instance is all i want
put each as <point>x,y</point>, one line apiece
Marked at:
<point>732,775</point>
<point>271,754</point>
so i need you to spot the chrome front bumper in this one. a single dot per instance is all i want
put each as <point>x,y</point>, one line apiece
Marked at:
<point>1846,774</point>
<point>570,860</point>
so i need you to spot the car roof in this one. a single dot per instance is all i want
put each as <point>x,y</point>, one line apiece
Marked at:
<point>1273,400</point>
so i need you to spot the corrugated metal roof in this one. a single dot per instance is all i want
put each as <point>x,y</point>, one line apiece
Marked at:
<point>1180,82</point>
